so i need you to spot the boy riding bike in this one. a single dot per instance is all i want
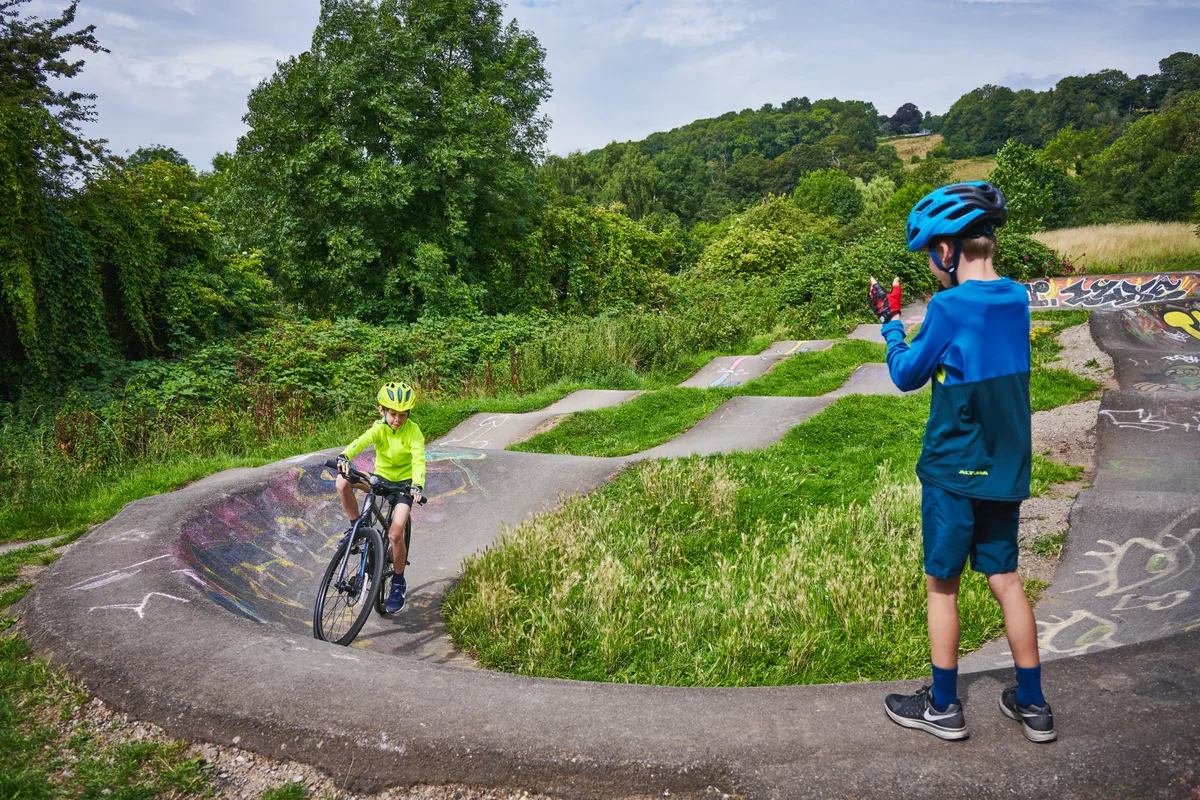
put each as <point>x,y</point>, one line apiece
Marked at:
<point>975,462</point>
<point>400,460</point>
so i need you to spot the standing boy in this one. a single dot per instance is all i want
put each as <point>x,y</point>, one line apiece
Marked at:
<point>975,462</point>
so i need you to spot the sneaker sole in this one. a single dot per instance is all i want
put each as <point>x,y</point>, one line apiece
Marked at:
<point>949,734</point>
<point>1030,733</point>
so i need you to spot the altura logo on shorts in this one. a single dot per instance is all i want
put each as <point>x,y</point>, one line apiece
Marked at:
<point>972,472</point>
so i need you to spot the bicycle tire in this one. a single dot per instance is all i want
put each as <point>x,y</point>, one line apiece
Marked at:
<point>341,620</point>
<point>385,581</point>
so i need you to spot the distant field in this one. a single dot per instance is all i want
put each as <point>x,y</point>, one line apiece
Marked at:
<point>972,169</point>
<point>909,146</point>
<point>1131,247</point>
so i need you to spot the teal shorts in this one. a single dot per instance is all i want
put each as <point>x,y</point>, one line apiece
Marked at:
<point>955,528</point>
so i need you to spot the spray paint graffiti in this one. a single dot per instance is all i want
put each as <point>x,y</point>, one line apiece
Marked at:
<point>261,556</point>
<point>1185,322</point>
<point>1170,380</point>
<point>1149,325</point>
<point>1091,291</point>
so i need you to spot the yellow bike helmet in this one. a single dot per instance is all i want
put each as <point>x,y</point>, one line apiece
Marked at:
<point>397,396</point>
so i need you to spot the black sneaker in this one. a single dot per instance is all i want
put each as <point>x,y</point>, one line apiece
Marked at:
<point>917,711</point>
<point>395,600</point>
<point>1038,721</point>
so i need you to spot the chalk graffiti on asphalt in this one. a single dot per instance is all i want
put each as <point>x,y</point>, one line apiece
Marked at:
<point>1089,630</point>
<point>114,575</point>
<point>138,608</point>
<point>1094,292</point>
<point>1143,420</point>
<point>1144,562</point>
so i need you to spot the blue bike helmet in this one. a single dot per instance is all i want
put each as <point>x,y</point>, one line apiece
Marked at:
<point>958,211</point>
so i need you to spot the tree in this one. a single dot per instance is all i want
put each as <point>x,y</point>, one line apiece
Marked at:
<point>33,64</point>
<point>907,119</point>
<point>829,193</point>
<point>1152,171</point>
<point>51,317</point>
<point>155,152</point>
<point>1040,195</point>
<point>408,124</point>
<point>1177,73</point>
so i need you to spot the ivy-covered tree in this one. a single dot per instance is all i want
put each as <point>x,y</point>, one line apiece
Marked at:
<point>409,127</point>
<point>50,310</point>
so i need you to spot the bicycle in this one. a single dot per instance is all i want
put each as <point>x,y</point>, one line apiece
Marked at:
<point>351,586</point>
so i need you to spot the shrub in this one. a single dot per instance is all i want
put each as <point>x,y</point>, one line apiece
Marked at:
<point>829,193</point>
<point>1021,258</point>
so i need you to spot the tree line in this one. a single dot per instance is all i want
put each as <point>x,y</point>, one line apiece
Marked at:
<point>395,171</point>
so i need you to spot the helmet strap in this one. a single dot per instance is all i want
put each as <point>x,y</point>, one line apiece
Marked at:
<point>951,270</point>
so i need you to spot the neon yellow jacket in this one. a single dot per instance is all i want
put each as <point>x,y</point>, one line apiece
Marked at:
<point>399,455</point>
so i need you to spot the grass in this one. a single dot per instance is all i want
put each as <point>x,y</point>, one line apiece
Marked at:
<point>972,169</point>
<point>1050,387</point>
<point>653,418</point>
<point>909,146</point>
<point>1132,247</point>
<point>1048,546</point>
<point>800,563</point>
<point>94,498</point>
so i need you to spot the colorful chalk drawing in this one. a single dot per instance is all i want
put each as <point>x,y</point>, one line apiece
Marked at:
<point>724,378</point>
<point>1095,291</point>
<point>261,555</point>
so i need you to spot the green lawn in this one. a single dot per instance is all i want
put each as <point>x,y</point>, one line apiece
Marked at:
<point>800,563</point>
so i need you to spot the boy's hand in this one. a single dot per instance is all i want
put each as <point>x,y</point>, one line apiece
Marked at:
<point>343,466</point>
<point>416,494</point>
<point>885,305</point>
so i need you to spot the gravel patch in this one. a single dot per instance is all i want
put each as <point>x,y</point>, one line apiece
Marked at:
<point>1081,355</point>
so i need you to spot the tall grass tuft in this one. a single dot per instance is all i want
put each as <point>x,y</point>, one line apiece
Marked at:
<point>652,580</point>
<point>1132,247</point>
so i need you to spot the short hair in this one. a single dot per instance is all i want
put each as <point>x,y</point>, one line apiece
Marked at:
<point>974,248</point>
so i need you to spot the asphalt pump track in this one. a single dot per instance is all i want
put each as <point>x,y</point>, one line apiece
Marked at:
<point>192,610</point>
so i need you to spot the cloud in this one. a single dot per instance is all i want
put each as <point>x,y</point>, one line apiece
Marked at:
<point>243,63</point>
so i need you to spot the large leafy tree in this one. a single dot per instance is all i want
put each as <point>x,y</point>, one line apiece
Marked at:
<point>394,160</point>
<point>50,309</point>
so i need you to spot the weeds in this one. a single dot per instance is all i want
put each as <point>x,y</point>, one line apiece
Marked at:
<point>1132,247</point>
<point>1049,546</point>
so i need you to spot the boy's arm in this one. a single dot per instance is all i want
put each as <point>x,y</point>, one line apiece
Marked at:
<point>418,456</point>
<point>359,444</point>
<point>911,366</point>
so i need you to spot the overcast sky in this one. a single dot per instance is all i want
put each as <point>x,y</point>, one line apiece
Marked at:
<point>179,70</point>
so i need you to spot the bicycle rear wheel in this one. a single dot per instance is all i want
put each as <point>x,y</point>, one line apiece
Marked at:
<point>346,595</point>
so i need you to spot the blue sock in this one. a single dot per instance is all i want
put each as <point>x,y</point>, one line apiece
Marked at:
<point>945,687</point>
<point>1029,686</point>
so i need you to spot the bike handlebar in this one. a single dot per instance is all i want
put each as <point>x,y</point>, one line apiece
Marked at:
<point>373,481</point>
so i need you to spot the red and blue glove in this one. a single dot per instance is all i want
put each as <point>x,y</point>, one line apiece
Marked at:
<point>885,305</point>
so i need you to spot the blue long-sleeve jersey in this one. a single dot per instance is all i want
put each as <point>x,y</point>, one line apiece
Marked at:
<point>974,346</point>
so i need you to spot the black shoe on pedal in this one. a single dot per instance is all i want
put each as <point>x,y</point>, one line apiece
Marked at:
<point>917,711</point>
<point>1037,721</point>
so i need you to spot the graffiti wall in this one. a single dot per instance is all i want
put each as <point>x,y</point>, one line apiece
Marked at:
<point>1111,291</point>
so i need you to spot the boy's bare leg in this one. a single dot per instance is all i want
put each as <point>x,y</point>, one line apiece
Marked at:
<point>943,620</point>
<point>345,492</point>
<point>1019,623</point>
<point>396,536</point>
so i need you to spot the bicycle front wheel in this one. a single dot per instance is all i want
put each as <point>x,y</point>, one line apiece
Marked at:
<point>349,588</point>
